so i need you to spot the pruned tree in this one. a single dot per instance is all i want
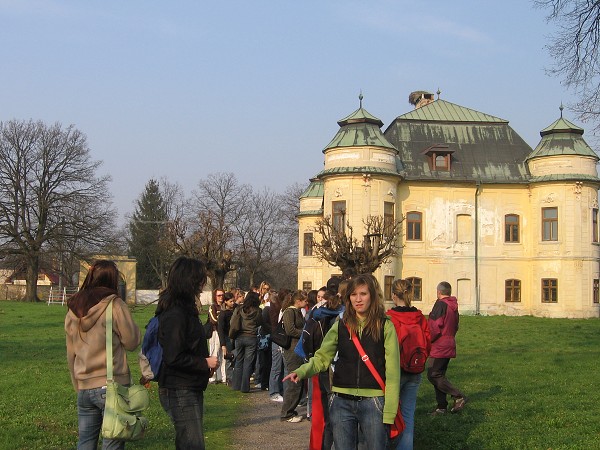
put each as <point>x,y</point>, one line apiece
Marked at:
<point>49,192</point>
<point>575,50</point>
<point>340,247</point>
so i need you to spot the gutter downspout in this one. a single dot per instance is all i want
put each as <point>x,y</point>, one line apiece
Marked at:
<point>477,299</point>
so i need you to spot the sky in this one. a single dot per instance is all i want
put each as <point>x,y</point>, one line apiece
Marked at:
<point>184,89</point>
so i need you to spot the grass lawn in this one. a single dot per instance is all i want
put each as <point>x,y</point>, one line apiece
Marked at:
<point>38,406</point>
<point>531,383</point>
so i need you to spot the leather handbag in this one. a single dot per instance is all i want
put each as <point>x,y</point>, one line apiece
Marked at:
<point>398,426</point>
<point>124,404</point>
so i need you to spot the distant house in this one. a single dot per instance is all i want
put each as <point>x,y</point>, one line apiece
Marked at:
<point>17,277</point>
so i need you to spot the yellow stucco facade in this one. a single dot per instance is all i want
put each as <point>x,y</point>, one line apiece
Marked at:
<point>514,230</point>
<point>127,267</point>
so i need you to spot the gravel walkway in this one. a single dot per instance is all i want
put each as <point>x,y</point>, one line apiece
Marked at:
<point>260,428</point>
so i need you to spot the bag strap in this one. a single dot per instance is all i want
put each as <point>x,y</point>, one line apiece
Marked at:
<point>109,348</point>
<point>366,359</point>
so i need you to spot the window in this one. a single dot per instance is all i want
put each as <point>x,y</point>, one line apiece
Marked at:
<point>339,216</point>
<point>307,285</point>
<point>511,228</point>
<point>549,224</point>
<point>417,288</point>
<point>439,157</point>
<point>463,228</point>
<point>387,287</point>
<point>442,162</point>
<point>549,290</point>
<point>595,225</point>
<point>388,217</point>
<point>596,291</point>
<point>414,222</point>
<point>308,244</point>
<point>512,291</point>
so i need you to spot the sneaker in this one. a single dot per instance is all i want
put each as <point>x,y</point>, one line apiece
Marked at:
<point>276,398</point>
<point>459,404</point>
<point>294,419</point>
<point>258,386</point>
<point>438,412</point>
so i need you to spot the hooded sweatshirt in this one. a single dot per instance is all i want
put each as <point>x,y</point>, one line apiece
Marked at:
<point>443,326</point>
<point>86,344</point>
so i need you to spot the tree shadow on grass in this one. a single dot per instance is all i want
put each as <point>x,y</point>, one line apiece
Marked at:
<point>451,431</point>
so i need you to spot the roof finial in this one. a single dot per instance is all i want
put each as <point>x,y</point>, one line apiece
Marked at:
<point>360,98</point>
<point>438,93</point>
<point>561,109</point>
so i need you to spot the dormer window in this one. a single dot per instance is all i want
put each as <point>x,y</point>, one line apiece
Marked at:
<point>439,157</point>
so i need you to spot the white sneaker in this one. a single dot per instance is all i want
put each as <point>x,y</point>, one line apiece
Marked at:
<point>276,398</point>
<point>294,419</point>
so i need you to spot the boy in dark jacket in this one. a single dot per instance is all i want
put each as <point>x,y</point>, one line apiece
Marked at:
<point>443,326</point>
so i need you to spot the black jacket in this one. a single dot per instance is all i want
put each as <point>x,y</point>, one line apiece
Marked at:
<point>185,350</point>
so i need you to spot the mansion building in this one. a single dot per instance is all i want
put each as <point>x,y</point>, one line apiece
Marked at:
<point>514,230</point>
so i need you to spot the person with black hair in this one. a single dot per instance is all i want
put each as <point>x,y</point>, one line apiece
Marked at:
<point>186,365</point>
<point>244,329</point>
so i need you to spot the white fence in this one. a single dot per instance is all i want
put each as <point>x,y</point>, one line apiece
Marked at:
<point>60,296</point>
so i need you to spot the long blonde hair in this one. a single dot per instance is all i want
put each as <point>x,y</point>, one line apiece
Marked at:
<point>376,312</point>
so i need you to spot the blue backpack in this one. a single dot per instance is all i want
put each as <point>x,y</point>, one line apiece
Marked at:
<point>150,357</point>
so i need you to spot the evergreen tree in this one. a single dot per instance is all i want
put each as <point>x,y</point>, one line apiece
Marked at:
<point>147,243</point>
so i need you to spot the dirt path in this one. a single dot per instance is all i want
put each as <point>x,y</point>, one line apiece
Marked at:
<point>260,428</point>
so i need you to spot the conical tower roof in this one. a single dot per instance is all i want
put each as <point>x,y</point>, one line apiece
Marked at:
<point>562,138</point>
<point>360,128</point>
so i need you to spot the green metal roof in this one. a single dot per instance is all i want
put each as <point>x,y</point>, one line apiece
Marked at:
<point>361,170</point>
<point>562,138</point>
<point>441,110</point>
<point>483,148</point>
<point>314,189</point>
<point>359,116</point>
<point>314,212</point>
<point>359,129</point>
<point>561,125</point>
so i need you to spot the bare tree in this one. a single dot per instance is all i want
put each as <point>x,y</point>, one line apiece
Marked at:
<point>259,234</point>
<point>575,50</point>
<point>216,205</point>
<point>363,254</point>
<point>48,189</point>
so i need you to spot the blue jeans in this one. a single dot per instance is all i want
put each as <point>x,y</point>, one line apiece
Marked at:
<point>409,386</point>
<point>185,408</point>
<point>351,418</point>
<point>90,410</point>
<point>245,350</point>
<point>275,377</point>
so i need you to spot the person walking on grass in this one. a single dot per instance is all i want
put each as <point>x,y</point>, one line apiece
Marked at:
<point>443,326</point>
<point>186,365</point>
<point>85,327</point>
<point>411,327</point>
<point>360,412</point>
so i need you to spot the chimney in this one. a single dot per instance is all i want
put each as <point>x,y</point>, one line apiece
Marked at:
<point>420,98</point>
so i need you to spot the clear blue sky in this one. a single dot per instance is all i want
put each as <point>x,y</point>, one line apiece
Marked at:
<point>182,89</point>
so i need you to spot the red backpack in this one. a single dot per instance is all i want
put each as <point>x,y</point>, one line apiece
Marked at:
<point>413,341</point>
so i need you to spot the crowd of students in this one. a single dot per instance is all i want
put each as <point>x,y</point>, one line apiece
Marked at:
<point>344,356</point>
